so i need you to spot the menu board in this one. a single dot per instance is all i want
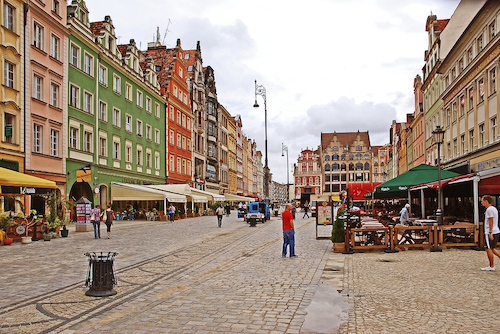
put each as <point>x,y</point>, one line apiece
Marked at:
<point>83,213</point>
<point>324,213</point>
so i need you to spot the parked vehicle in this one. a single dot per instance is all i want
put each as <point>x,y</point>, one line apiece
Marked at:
<point>257,212</point>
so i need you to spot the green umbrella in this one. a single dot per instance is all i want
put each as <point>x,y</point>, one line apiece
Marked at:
<point>398,187</point>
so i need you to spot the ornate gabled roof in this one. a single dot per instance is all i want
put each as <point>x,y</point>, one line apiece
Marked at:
<point>162,58</point>
<point>345,138</point>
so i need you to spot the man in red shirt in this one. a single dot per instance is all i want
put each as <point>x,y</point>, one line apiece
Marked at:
<point>288,231</point>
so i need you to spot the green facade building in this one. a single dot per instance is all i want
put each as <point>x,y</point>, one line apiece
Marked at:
<point>116,113</point>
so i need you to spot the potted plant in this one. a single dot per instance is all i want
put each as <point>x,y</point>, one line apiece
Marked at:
<point>6,222</point>
<point>338,231</point>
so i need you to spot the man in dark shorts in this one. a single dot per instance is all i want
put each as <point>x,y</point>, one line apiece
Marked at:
<point>491,231</point>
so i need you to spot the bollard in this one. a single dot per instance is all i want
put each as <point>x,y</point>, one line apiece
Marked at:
<point>100,275</point>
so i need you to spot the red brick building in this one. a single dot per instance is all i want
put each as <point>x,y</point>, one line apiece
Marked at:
<point>172,75</point>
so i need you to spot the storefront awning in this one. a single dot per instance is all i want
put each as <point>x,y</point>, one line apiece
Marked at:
<point>135,192</point>
<point>15,179</point>
<point>358,190</point>
<point>213,197</point>
<point>182,189</point>
<point>451,180</point>
<point>238,198</point>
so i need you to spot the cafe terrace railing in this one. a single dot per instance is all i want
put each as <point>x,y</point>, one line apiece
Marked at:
<point>394,238</point>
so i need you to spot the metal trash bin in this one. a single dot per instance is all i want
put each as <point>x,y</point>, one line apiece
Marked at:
<point>100,275</point>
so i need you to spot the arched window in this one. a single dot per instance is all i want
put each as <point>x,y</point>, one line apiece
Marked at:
<point>327,167</point>
<point>367,166</point>
<point>351,156</point>
<point>310,180</point>
<point>343,167</point>
<point>351,166</point>
<point>359,156</point>
<point>317,180</point>
<point>342,157</point>
<point>359,166</point>
<point>335,157</point>
<point>327,157</point>
<point>367,156</point>
<point>335,167</point>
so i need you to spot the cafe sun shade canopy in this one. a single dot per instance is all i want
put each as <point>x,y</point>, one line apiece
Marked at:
<point>398,187</point>
<point>15,179</point>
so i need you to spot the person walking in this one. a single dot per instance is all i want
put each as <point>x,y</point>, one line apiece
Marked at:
<point>220,213</point>
<point>405,215</point>
<point>228,209</point>
<point>306,211</point>
<point>171,213</point>
<point>288,231</point>
<point>108,216</point>
<point>95,218</point>
<point>491,231</point>
<point>294,210</point>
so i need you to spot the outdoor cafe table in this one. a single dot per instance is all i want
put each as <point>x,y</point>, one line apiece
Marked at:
<point>424,222</point>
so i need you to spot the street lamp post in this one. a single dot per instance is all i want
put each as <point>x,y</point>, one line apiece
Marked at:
<point>438,135</point>
<point>283,149</point>
<point>261,90</point>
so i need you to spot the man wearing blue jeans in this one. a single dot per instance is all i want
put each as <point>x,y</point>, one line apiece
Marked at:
<point>288,232</point>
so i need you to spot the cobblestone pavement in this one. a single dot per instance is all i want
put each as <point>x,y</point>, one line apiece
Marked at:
<point>192,277</point>
<point>183,277</point>
<point>421,292</point>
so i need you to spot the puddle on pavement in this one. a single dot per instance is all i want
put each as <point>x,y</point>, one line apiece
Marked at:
<point>327,311</point>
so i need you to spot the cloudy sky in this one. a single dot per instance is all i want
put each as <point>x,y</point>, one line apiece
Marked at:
<point>327,65</point>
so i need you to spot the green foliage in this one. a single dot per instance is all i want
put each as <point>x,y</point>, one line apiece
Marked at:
<point>6,221</point>
<point>338,231</point>
<point>215,205</point>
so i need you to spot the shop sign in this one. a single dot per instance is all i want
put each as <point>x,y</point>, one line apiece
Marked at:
<point>27,190</point>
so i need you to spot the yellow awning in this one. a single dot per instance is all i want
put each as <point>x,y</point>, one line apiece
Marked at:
<point>15,179</point>
<point>336,198</point>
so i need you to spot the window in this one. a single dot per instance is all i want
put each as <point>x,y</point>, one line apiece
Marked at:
<point>87,141</point>
<point>73,138</point>
<point>116,150</point>
<point>171,113</point>
<point>103,111</point>
<point>87,102</point>
<point>37,138</point>
<point>183,120</point>
<point>481,90</point>
<point>179,140</point>
<point>171,163</point>
<point>480,43</point>
<point>75,55</point>
<point>54,95</point>
<point>462,144</point>
<point>116,84</point>
<point>157,110</point>
<point>481,135</point>
<point>462,105</point>
<point>116,117</point>
<point>493,123</point>
<point>471,140</point>
<point>148,132</point>
<point>157,136</point>
<point>8,78</point>
<point>8,16</point>
<point>175,91</point>
<point>102,147</point>
<point>103,75</point>
<point>183,143</point>
<point>455,147</point>
<point>178,117</point>
<point>55,45</point>
<point>38,35</point>
<point>470,56</point>
<point>471,98</point>
<point>74,93</point>
<point>148,160</point>
<point>139,98</point>
<point>87,64</point>
<point>157,162</point>
<point>178,165</point>
<point>139,128</point>
<point>128,154</point>
<point>139,156</point>
<point>148,104</point>
<point>171,138</point>
<point>184,166</point>
<point>128,123</point>
<point>493,81</point>
<point>55,6</point>
<point>38,87</point>
<point>128,92</point>
<point>54,143</point>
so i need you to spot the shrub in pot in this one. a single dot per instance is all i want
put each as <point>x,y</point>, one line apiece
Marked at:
<point>338,231</point>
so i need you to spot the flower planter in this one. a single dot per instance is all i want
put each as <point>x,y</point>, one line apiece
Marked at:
<point>47,237</point>
<point>338,247</point>
<point>64,233</point>
<point>26,240</point>
<point>183,216</point>
<point>7,241</point>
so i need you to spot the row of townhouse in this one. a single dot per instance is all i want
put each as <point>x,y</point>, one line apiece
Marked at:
<point>458,92</point>
<point>79,109</point>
